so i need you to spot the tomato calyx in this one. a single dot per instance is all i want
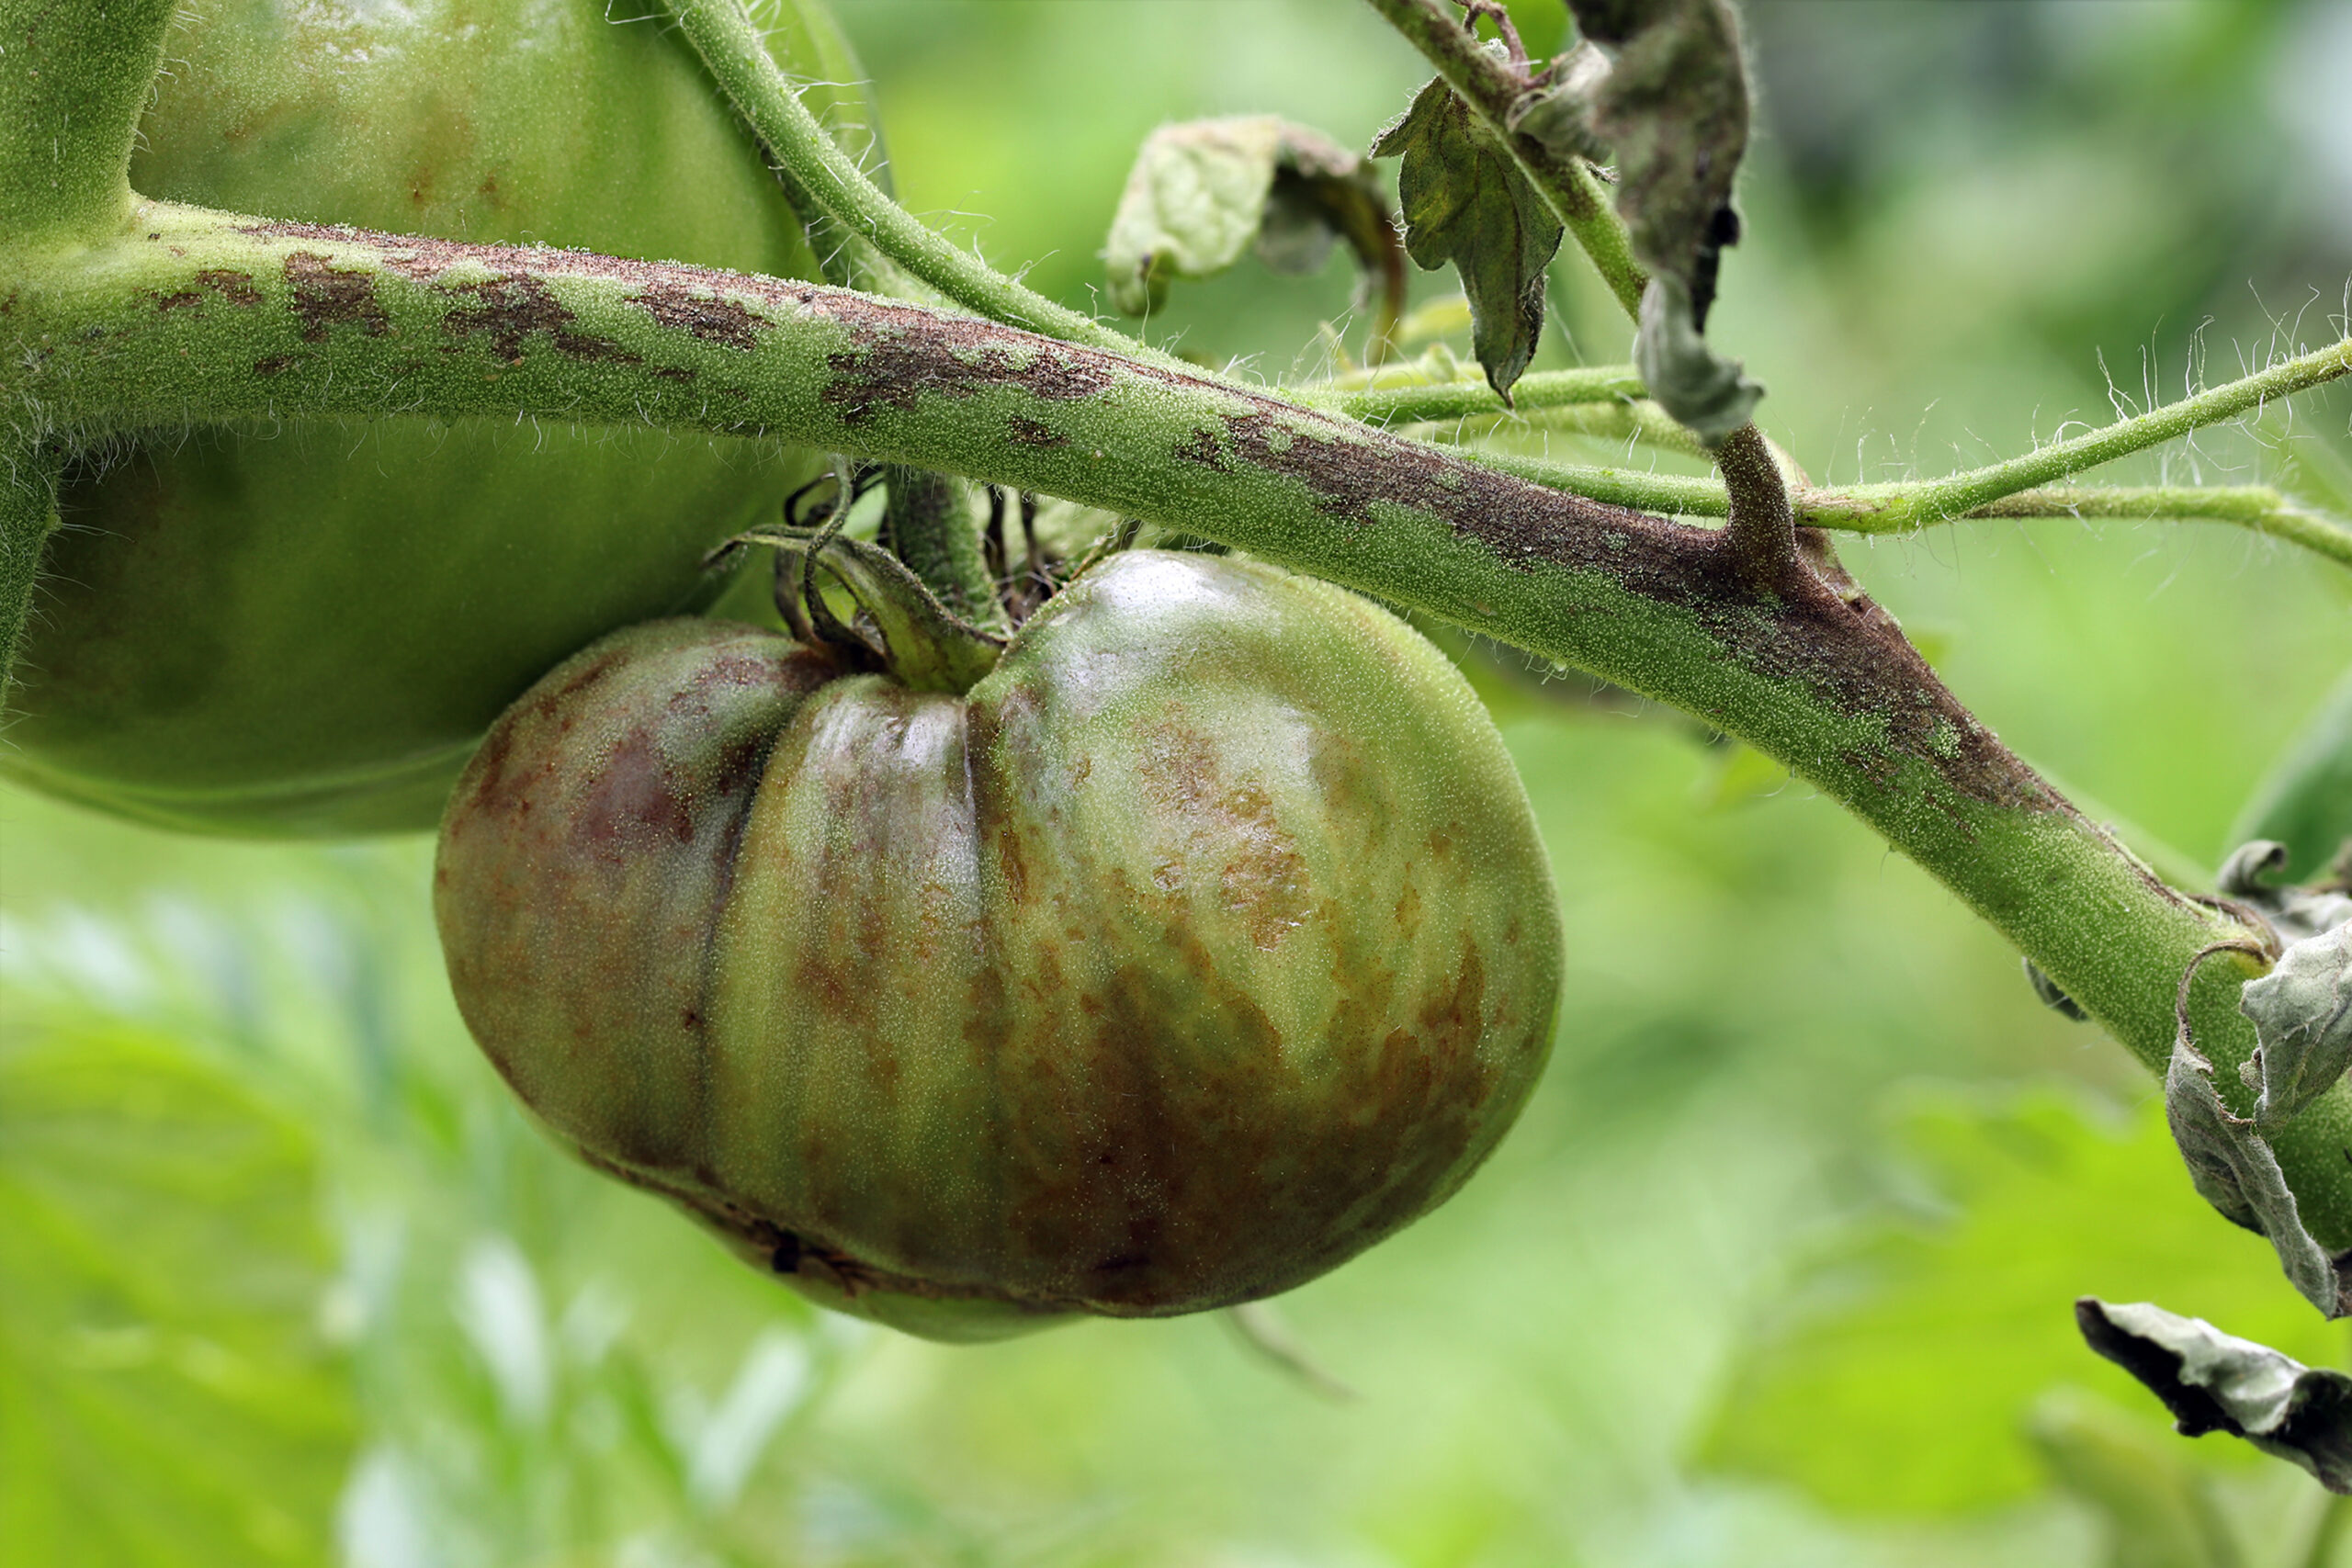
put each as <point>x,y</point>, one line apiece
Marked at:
<point>896,624</point>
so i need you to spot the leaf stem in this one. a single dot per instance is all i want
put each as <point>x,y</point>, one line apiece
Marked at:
<point>1887,509</point>
<point>1964,492</point>
<point>730,44</point>
<point>1432,401</point>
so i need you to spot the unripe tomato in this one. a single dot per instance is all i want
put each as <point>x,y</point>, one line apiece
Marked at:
<point>305,628</point>
<point>1204,942</point>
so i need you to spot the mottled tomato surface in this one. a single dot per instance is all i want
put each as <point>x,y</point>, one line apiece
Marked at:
<point>1202,944</point>
<point>304,628</point>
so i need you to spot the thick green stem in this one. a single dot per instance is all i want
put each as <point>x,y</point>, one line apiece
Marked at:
<point>1490,88</point>
<point>74,77</point>
<point>822,175</point>
<point>194,314</point>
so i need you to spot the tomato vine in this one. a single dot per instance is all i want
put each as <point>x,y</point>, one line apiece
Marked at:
<point>1751,628</point>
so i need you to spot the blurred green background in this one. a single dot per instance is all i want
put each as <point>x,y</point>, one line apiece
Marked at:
<point>1778,1268</point>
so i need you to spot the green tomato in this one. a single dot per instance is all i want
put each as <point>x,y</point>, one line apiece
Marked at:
<point>1204,942</point>
<point>304,629</point>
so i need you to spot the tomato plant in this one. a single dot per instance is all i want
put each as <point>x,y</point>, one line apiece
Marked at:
<point>1204,940</point>
<point>1710,581</point>
<point>301,626</point>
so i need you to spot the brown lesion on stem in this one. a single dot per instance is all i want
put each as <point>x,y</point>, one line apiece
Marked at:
<point>889,364</point>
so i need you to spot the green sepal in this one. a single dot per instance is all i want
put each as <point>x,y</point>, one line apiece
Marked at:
<point>897,621</point>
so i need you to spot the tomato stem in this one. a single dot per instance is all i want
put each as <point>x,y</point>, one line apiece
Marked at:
<point>73,80</point>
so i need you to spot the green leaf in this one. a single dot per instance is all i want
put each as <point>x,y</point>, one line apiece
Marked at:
<point>2213,1381</point>
<point>2306,803</point>
<point>1204,191</point>
<point>163,1396</point>
<point>1900,1378</point>
<point>1466,201</point>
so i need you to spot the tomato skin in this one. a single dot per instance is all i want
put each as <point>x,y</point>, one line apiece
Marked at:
<point>304,629</point>
<point>1204,943</point>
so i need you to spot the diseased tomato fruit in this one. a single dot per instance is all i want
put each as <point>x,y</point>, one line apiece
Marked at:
<point>1201,944</point>
<point>305,628</point>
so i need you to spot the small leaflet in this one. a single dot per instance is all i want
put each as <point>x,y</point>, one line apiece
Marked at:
<point>2213,1381</point>
<point>2234,1170</point>
<point>1466,201</point>
<point>1204,191</point>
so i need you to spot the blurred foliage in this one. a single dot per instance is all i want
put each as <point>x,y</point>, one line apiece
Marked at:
<point>1777,1268</point>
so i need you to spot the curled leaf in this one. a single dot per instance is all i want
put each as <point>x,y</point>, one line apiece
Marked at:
<point>1466,201</point>
<point>2302,1018</point>
<point>2233,1170</point>
<point>1204,191</point>
<point>2213,1381</point>
<point>1706,393</point>
<point>2248,877</point>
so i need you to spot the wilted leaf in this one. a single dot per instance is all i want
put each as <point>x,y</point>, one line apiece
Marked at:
<point>161,1398</point>
<point>1466,201</point>
<point>1559,114</point>
<point>2213,1381</point>
<point>1202,192</point>
<point>1901,1374</point>
<point>2233,1170</point>
<point>1704,391</point>
<point>1674,108</point>
<point>2302,1018</point>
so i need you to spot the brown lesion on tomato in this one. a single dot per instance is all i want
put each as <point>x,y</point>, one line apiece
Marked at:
<point>896,355</point>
